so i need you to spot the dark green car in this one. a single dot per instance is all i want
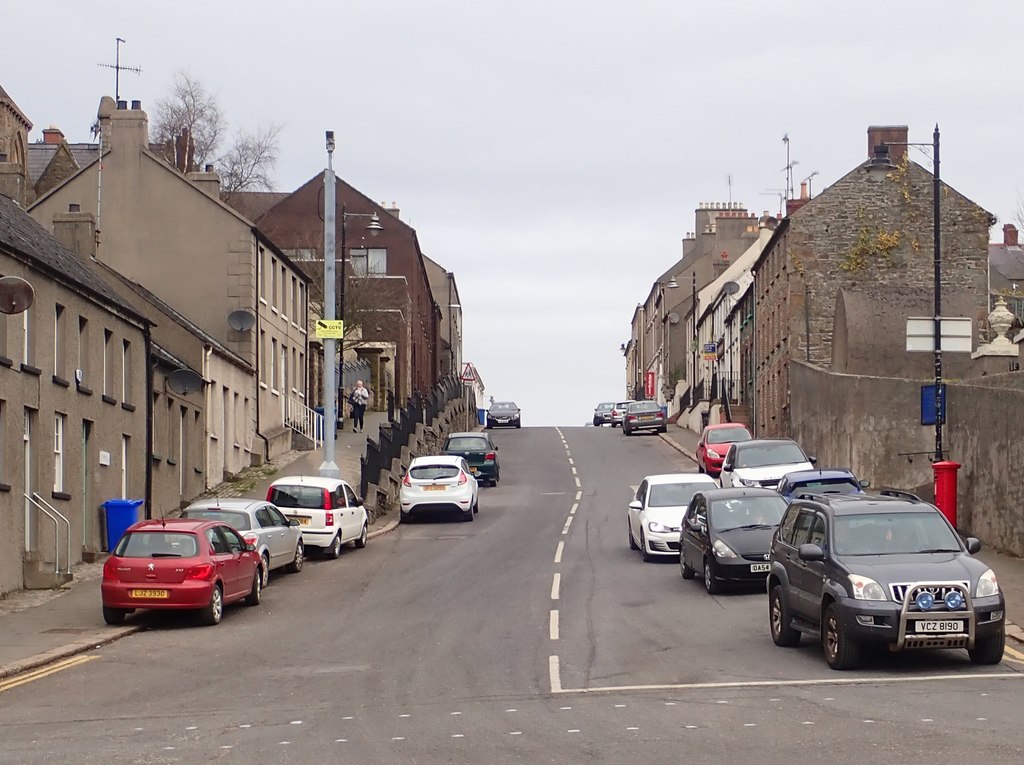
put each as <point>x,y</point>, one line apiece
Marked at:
<point>479,451</point>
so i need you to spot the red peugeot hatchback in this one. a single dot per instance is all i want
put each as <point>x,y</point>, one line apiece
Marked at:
<point>180,564</point>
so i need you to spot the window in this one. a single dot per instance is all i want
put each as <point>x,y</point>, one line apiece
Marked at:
<point>217,541</point>
<point>3,429</point>
<point>224,418</point>
<point>273,283</point>
<point>107,371</point>
<point>279,519</point>
<point>296,371</point>
<point>295,299</point>
<point>284,369</point>
<point>125,451</point>
<point>26,337</point>
<point>370,261</point>
<point>262,266</point>
<point>284,291</point>
<point>263,356</point>
<point>59,421</point>
<point>300,317</point>
<point>273,364</point>
<point>236,415</point>
<point>82,355</point>
<point>263,517</point>
<point>300,373</point>
<point>126,370</point>
<point>59,341</point>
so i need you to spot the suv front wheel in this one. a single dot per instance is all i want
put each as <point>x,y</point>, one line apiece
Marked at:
<point>988,650</point>
<point>840,651</point>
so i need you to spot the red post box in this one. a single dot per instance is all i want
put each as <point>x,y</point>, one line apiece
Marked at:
<point>945,488</point>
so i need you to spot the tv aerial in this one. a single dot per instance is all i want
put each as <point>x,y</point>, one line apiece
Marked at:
<point>16,295</point>
<point>242,320</point>
<point>183,381</point>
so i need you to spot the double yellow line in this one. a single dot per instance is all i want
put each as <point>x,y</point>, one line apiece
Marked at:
<point>39,674</point>
<point>1014,655</point>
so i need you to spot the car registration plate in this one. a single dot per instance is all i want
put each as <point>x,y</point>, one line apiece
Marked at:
<point>434,487</point>
<point>937,625</point>
<point>151,594</point>
<point>757,568</point>
<point>303,521</point>
<point>647,417</point>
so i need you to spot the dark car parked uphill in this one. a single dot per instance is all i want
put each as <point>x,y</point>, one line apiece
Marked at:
<point>504,414</point>
<point>479,451</point>
<point>644,415</point>
<point>854,569</point>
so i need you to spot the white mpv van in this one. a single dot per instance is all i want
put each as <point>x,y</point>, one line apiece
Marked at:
<point>329,513</point>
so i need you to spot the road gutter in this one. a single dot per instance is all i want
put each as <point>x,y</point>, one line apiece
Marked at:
<point>79,646</point>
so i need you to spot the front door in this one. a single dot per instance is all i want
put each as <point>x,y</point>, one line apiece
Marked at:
<point>29,484</point>
<point>87,541</point>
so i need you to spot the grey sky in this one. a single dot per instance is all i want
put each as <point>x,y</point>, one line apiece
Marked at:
<point>551,152</point>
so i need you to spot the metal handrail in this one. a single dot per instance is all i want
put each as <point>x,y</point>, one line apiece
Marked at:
<point>304,420</point>
<point>53,514</point>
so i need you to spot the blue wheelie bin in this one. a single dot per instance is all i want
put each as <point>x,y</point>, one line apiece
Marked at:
<point>120,514</point>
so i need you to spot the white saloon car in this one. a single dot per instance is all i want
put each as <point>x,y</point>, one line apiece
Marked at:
<point>656,513</point>
<point>439,484</point>
<point>329,513</point>
<point>277,539</point>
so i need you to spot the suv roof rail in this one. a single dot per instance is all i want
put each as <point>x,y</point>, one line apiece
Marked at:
<point>900,494</point>
<point>817,496</point>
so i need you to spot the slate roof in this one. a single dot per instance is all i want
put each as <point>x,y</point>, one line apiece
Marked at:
<point>1007,260</point>
<point>21,234</point>
<point>40,155</point>
<point>254,204</point>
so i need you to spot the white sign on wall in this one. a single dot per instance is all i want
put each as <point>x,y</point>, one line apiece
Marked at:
<point>104,458</point>
<point>957,333</point>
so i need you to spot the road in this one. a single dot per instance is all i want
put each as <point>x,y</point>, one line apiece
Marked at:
<point>531,635</point>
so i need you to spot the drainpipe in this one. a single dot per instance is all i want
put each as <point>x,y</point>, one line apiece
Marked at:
<point>148,343</point>
<point>256,342</point>
<point>208,400</point>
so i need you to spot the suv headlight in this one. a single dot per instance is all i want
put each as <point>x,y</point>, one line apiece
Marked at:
<point>987,585</point>
<point>866,589</point>
<point>747,482</point>
<point>722,550</point>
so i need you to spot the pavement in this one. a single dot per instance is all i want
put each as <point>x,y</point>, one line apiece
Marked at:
<point>40,627</point>
<point>1009,568</point>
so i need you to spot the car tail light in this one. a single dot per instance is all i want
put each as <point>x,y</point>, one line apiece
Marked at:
<point>251,539</point>
<point>270,493</point>
<point>328,518</point>
<point>110,569</point>
<point>490,456</point>
<point>202,571</point>
<point>327,500</point>
<point>407,481</point>
<point>630,416</point>
<point>462,478</point>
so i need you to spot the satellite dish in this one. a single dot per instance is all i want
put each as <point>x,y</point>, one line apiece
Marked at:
<point>183,381</point>
<point>673,318</point>
<point>16,294</point>
<point>730,288</point>
<point>242,320</point>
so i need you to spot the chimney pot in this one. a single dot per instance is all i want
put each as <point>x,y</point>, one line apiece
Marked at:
<point>136,104</point>
<point>122,105</point>
<point>74,207</point>
<point>1010,234</point>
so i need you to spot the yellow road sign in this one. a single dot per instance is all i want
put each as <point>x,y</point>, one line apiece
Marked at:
<point>330,329</point>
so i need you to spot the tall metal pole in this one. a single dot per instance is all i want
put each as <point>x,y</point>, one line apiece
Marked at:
<point>329,468</point>
<point>693,343</point>
<point>937,329</point>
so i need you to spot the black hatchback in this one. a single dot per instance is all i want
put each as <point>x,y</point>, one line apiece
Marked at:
<point>854,569</point>
<point>727,534</point>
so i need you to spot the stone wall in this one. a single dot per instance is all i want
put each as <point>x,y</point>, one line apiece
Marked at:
<point>866,423</point>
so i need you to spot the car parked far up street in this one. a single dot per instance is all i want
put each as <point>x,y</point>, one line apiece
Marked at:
<point>715,441</point>
<point>480,453</point>
<point>619,411</point>
<point>438,484</point>
<point>329,512</point>
<point>603,413</point>
<point>644,415</point>
<point>503,414</point>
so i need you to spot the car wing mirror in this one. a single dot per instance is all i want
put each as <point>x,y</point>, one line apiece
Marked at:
<point>359,502</point>
<point>813,460</point>
<point>865,484</point>
<point>636,505</point>
<point>250,547</point>
<point>809,552</point>
<point>973,545</point>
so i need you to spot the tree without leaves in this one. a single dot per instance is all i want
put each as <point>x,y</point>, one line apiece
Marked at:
<point>248,163</point>
<point>189,106</point>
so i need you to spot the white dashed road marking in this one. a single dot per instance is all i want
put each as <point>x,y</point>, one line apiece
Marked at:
<point>579,495</point>
<point>568,523</point>
<point>558,552</point>
<point>554,674</point>
<point>553,626</point>
<point>575,507</point>
<point>556,582</point>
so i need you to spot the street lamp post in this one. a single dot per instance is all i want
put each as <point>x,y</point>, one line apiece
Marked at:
<point>329,468</point>
<point>937,283</point>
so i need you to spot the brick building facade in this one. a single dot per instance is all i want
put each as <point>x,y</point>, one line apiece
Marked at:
<point>869,232</point>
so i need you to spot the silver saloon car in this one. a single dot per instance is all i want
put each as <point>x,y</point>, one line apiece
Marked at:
<point>277,538</point>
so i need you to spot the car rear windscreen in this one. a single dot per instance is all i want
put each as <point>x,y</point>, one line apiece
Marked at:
<point>157,544</point>
<point>644,406</point>
<point>463,444</point>
<point>235,520</point>
<point>728,435</point>
<point>308,497</point>
<point>432,472</point>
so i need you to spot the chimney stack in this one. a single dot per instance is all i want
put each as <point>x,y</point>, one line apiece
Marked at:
<point>393,209</point>
<point>76,230</point>
<point>208,181</point>
<point>894,136</point>
<point>52,135</point>
<point>1010,235</point>
<point>128,129</point>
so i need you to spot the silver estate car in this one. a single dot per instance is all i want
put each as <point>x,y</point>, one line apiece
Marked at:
<point>277,539</point>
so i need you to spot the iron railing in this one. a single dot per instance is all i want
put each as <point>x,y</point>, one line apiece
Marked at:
<point>53,514</point>
<point>395,434</point>
<point>304,420</point>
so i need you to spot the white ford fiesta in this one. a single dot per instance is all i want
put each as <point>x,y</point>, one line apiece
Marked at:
<point>439,484</point>
<point>656,512</point>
